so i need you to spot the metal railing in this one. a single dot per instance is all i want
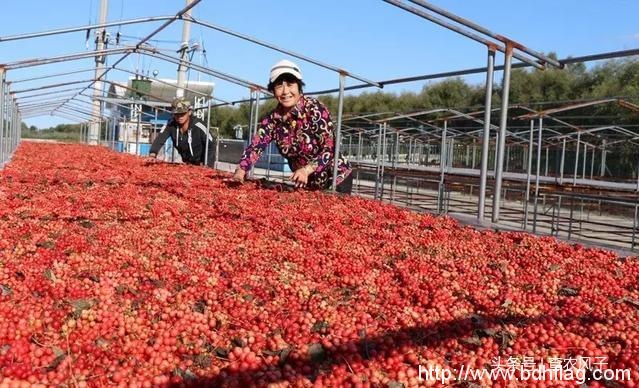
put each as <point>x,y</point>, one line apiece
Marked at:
<point>595,219</point>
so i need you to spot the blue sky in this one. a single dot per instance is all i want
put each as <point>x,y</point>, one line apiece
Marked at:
<point>369,38</point>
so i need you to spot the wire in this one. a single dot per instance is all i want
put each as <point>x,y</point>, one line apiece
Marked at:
<point>137,38</point>
<point>121,14</point>
<point>166,49</point>
<point>88,34</point>
<point>90,11</point>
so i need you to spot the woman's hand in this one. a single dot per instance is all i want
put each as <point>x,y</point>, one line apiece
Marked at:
<point>300,176</point>
<point>239,175</point>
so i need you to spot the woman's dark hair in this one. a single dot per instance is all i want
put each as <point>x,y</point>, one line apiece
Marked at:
<point>288,78</point>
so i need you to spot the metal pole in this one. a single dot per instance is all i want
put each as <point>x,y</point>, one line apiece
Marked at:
<point>125,140</point>
<point>350,146</point>
<point>359,159</point>
<point>442,167</point>
<point>18,128</point>
<point>574,178</point>
<point>338,130</point>
<point>474,152</point>
<point>217,146</point>
<point>451,155</point>
<point>184,55</point>
<point>137,132</point>
<point>502,132</point>
<point>529,169</point>
<point>592,162</point>
<point>113,133</point>
<point>7,140</point>
<point>378,157</point>
<point>495,153</point>
<point>541,124</point>
<point>3,89</point>
<point>106,131</point>
<point>155,129</point>
<point>603,158</point>
<point>563,158</point>
<point>409,155</point>
<point>100,40</point>
<point>8,127</point>
<point>547,157</point>
<point>7,124</point>
<point>486,139</point>
<point>558,216</point>
<point>634,230</point>
<point>251,115</point>
<point>208,132</point>
<point>572,205</point>
<point>15,124</point>
<point>395,159</point>
<point>583,170</point>
<point>427,153</point>
<point>384,145</point>
<point>11,121</point>
<point>256,118</point>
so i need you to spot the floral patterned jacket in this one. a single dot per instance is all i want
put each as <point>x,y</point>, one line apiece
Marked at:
<point>305,136</point>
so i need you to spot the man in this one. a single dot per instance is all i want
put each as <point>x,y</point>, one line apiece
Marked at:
<point>188,134</point>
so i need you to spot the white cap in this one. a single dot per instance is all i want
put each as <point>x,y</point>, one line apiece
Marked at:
<point>285,67</point>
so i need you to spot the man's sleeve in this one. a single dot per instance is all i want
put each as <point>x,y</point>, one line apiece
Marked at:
<point>160,139</point>
<point>206,138</point>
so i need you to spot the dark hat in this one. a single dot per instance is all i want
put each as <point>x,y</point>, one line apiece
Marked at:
<point>180,105</point>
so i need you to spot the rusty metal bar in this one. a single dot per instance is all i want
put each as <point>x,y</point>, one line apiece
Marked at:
<point>461,31</point>
<point>485,31</point>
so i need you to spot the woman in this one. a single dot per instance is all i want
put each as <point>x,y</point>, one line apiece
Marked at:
<point>302,129</point>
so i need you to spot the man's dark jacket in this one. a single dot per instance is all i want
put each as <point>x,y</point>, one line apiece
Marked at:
<point>190,145</point>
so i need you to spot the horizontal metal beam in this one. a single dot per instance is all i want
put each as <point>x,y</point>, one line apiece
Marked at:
<point>461,31</point>
<point>63,58</point>
<point>50,76</point>
<point>478,70</point>
<point>82,28</point>
<point>50,86</point>
<point>546,112</point>
<point>206,70</point>
<point>487,32</point>
<point>287,52</point>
